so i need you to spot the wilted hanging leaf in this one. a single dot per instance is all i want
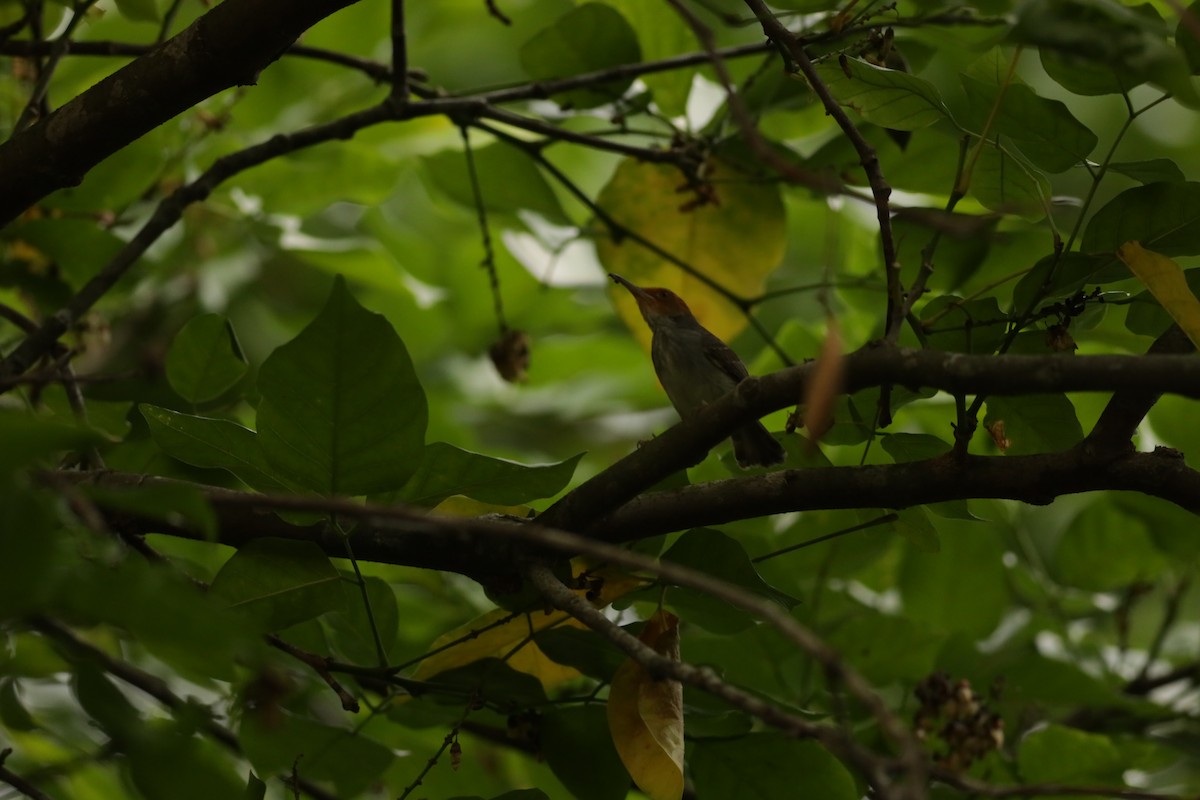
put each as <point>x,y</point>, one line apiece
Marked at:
<point>645,716</point>
<point>823,390</point>
<point>996,430</point>
<point>1165,280</point>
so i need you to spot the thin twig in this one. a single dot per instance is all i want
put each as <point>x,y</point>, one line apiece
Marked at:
<point>399,54</point>
<point>61,45</point>
<point>19,783</point>
<point>489,255</point>
<point>319,665</point>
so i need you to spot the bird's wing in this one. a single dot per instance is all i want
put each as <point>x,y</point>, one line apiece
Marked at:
<point>723,357</point>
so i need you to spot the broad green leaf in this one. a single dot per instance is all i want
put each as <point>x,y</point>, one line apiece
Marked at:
<point>1102,45</point>
<point>588,38</point>
<point>886,97</point>
<point>1105,549</point>
<point>205,360</point>
<point>1045,130</point>
<point>1153,170</point>
<point>1004,182</point>
<point>447,470</point>
<point>737,240</point>
<point>320,752</point>
<point>960,589</point>
<point>645,715</point>
<point>1036,423</point>
<point>278,583</point>
<point>723,557</point>
<point>1165,280</point>
<point>139,10</point>
<point>34,553</point>
<point>1186,39</point>
<point>104,703</point>
<point>886,648</point>
<point>163,612</point>
<point>493,681</point>
<point>307,181</point>
<point>80,247</point>
<point>582,649</point>
<point>568,732</point>
<point>212,444</point>
<point>1053,279</point>
<point>1164,217</point>
<point>177,504</point>
<point>169,761</point>
<point>914,525</point>
<point>351,628</point>
<point>342,411</point>
<point>768,766</point>
<point>28,438</point>
<point>509,181</point>
<point>13,714</point>
<point>1057,754</point>
<point>661,34</point>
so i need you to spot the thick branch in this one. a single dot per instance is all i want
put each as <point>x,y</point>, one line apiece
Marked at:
<point>226,47</point>
<point>1035,479</point>
<point>687,443</point>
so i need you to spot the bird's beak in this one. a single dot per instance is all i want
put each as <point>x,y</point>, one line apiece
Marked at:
<point>634,289</point>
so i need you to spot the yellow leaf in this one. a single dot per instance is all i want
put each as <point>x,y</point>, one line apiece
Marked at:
<point>1165,280</point>
<point>499,641</point>
<point>736,237</point>
<point>645,716</point>
<point>458,505</point>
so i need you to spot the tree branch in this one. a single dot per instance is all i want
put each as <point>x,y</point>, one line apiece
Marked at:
<point>226,47</point>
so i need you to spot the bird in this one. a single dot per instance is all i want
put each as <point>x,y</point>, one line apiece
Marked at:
<point>696,368</point>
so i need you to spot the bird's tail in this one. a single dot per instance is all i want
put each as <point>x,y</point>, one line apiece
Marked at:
<point>754,446</point>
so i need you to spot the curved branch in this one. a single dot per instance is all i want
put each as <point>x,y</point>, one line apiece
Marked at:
<point>226,47</point>
<point>687,443</point>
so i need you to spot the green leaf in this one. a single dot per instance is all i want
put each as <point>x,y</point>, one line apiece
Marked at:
<point>1004,181</point>
<point>494,682</point>
<point>319,752</point>
<point>886,648</point>
<point>34,553</point>
<point>278,583</point>
<point>1102,46</point>
<point>1045,130</point>
<point>588,38</point>
<point>1106,549</point>
<point>1164,217</point>
<point>914,525</point>
<point>28,438</point>
<point>1185,37</point>
<point>181,504</point>
<point>213,444</point>
<point>1037,423</point>
<point>447,470</point>
<point>723,557</point>
<point>255,788</point>
<point>351,627</point>
<point>584,650</point>
<point>1153,170</point>
<point>1053,279</point>
<point>509,181</point>
<point>566,733</point>
<point>139,10</point>
<point>205,360</point>
<point>1057,754</point>
<point>962,588</point>
<point>13,714</point>
<point>163,612</point>
<point>886,97</point>
<point>342,411</point>
<point>768,766</point>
